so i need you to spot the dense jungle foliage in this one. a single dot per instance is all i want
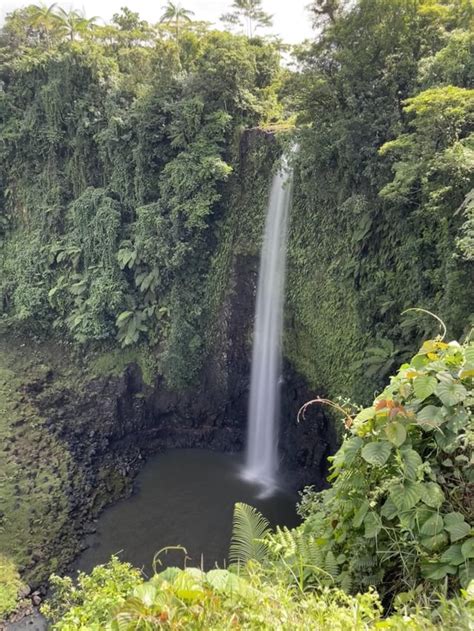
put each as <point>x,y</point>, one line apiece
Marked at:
<point>134,168</point>
<point>115,149</point>
<point>379,220</point>
<point>121,163</point>
<point>397,518</point>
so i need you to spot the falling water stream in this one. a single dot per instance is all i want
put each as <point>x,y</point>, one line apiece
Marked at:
<point>264,406</point>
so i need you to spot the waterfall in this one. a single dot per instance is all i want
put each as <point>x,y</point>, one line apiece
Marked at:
<point>264,404</point>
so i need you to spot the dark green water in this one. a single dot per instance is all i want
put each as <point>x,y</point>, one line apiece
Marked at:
<point>184,497</point>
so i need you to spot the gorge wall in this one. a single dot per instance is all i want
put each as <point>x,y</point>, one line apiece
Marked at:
<point>78,427</point>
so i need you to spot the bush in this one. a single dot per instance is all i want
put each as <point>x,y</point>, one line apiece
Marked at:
<point>399,512</point>
<point>221,599</point>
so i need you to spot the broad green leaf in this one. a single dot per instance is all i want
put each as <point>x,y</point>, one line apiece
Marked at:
<point>396,433</point>
<point>229,583</point>
<point>411,461</point>
<point>456,526</point>
<point>389,510</point>
<point>419,361</point>
<point>432,526</point>
<point>347,453</point>
<point>365,414</point>
<point>218,578</point>
<point>372,524</point>
<point>435,542</point>
<point>422,514</point>
<point>408,519</point>
<point>469,354</point>
<point>467,549</point>
<point>405,495</point>
<point>446,440</point>
<point>351,448</point>
<point>360,514</point>
<point>190,595</point>
<point>377,453</point>
<point>466,575</point>
<point>467,371</point>
<point>432,494</point>
<point>125,315</point>
<point>169,575</point>
<point>459,420</point>
<point>451,393</point>
<point>424,386</point>
<point>146,593</point>
<point>430,416</point>
<point>453,555</point>
<point>437,571</point>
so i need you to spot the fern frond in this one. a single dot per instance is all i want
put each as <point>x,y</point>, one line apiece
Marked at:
<point>249,527</point>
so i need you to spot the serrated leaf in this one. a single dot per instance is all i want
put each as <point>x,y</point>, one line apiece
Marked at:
<point>347,453</point>
<point>432,494</point>
<point>372,524</point>
<point>451,393</point>
<point>411,461</point>
<point>377,453</point>
<point>351,449</point>
<point>456,526</point>
<point>432,526</point>
<point>424,386</point>
<point>396,433</point>
<point>405,495</point>
<point>360,514</point>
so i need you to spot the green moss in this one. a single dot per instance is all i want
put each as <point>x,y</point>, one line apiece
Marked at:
<point>10,586</point>
<point>115,360</point>
<point>36,468</point>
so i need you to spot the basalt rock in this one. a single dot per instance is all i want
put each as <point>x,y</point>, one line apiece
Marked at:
<point>102,429</point>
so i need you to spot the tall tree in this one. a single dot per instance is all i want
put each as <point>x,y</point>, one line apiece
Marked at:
<point>327,10</point>
<point>247,14</point>
<point>44,19</point>
<point>174,14</point>
<point>73,23</point>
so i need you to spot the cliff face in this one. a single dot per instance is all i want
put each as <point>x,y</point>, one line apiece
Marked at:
<point>75,436</point>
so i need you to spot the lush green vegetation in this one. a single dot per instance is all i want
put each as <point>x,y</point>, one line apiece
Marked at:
<point>399,510</point>
<point>398,517</point>
<point>134,169</point>
<point>10,586</point>
<point>114,597</point>
<point>128,134</point>
<point>115,151</point>
<point>385,162</point>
